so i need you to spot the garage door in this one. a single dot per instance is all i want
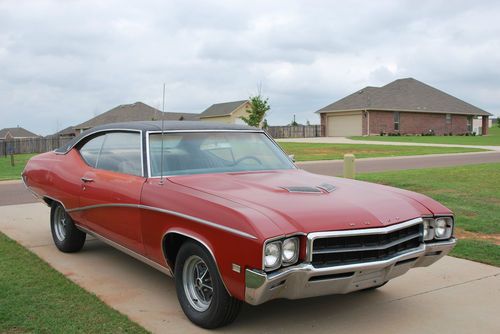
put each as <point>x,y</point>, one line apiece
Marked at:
<point>344,125</point>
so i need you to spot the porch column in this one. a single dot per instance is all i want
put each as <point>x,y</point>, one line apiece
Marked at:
<point>485,123</point>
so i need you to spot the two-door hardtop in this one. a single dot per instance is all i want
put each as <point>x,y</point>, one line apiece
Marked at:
<point>224,210</point>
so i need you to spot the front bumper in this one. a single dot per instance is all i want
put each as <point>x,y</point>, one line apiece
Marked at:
<point>304,280</point>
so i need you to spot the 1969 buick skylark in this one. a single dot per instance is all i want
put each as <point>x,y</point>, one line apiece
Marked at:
<point>225,211</point>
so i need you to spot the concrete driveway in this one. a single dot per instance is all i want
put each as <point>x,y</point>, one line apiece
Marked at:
<point>453,296</point>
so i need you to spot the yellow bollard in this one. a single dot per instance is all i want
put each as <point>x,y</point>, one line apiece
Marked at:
<point>349,166</point>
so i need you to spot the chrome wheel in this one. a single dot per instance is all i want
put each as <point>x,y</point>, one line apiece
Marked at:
<point>197,283</point>
<point>60,223</point>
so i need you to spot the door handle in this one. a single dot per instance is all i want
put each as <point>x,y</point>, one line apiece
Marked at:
<point>87,179</point>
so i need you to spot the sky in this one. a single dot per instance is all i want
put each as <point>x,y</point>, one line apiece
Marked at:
<point>63,62</point>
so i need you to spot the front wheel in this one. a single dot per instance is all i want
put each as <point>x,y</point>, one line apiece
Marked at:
<point>67,237</point>
<point>200,290</point>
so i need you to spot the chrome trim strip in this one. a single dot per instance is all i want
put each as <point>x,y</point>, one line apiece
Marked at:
<point>157,266</point>
<point>174,213</point>
<point>201,242</point>
<point>362,249</point>
<point>378,230</point>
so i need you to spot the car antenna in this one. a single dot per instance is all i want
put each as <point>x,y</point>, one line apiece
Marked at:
<point>162,129</point>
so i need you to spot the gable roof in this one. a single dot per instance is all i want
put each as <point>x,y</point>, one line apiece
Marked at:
<point>222,109</point>
<point>17,132</point>
<point>137,111</point>
<point>404,95</point>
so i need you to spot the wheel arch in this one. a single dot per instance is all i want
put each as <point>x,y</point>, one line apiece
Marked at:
<point>172,241</point>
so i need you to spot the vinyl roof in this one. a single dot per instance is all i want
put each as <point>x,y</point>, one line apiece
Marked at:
<point>156,126</point>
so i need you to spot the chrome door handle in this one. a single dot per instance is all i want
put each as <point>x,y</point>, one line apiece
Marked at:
<point>87,179</point>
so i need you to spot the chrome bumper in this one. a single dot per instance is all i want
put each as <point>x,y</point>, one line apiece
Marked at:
<point>304,280</point>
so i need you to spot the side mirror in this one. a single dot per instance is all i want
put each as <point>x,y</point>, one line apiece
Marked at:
<point>292,157</point>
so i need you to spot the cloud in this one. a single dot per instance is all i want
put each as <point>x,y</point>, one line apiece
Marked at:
<point>63,62</point>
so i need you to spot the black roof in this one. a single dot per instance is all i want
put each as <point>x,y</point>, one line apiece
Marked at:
<point>155,126</point>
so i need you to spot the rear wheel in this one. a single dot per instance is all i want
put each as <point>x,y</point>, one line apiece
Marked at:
<point>67,237</point>
<point>200,290</point>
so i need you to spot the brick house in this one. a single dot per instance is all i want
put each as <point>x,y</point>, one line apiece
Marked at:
<point>405,106</point>
<point>16,133</point>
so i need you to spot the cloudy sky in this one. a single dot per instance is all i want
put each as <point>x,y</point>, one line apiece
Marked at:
<point>62,62</point>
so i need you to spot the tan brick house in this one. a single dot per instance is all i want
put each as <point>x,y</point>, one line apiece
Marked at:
<point>227,112</point>
<point>405,106</point>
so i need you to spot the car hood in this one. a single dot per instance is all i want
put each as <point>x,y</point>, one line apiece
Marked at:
<point>298,201</point>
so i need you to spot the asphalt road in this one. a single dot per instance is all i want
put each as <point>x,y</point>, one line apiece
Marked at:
<point>14,192</point>
<point>452,296</point>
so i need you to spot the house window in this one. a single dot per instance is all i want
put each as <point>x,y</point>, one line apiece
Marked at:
<point>469,124</point>
<point>448,118</point>
<point>396,120</point>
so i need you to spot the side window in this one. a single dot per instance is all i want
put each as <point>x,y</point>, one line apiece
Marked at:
<point>90,151</point>
<point>121,152</point>
<point>396,120</point>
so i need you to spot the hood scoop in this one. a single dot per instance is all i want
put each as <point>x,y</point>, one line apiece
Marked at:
<point>325,187</point>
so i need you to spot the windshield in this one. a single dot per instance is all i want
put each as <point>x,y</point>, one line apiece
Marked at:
<point>214,152</point>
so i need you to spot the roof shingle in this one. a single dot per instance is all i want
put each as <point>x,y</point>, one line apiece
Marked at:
<point>222,109</point>
<point>17,132</point>
<point>404,95</point>
<point>135,112</point>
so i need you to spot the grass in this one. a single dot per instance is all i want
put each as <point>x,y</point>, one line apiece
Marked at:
<point>492,139</point>
<point>34,298</point>
<point>471,192</point>
<point>319,151</point>
<point>8,172</point>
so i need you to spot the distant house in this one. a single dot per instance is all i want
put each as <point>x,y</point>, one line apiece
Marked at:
<point>68,132</point>
<point>405,106</point>
<point>227,112</point>
<point>16,133</point>
<point>137,111</point>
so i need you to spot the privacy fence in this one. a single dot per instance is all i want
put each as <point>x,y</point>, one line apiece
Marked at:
<point>30,145</point>
<point>299,131</point>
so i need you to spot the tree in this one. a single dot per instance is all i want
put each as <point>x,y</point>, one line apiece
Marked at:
<point>265,125</point>
<point>294,122</point>
<point>498,122</point>
<point>259,106</point>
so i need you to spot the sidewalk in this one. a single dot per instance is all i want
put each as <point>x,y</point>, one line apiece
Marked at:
<point>344,140</point>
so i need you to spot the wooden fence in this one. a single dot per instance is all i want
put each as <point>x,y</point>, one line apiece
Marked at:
<point>31,145</point>
<point>299,131</point>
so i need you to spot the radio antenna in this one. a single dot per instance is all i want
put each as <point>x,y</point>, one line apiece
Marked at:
<point>162,131</point>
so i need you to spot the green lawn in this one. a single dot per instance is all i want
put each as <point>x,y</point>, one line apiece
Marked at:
<point>34,298</point>
<point>472,192</point>
<point>7,172</point>
<point>492,139</point>
<point>317,151</point>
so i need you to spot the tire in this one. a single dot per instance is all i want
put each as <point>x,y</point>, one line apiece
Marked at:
<point>67,237</point>
<point>375,287</point>
<point>204,307</point>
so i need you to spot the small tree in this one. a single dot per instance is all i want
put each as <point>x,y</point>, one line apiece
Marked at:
<point>498,122</point>
<point>259,106</point>
<point>265,125</point>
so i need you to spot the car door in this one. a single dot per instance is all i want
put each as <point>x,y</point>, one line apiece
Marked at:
<point>111,188</point>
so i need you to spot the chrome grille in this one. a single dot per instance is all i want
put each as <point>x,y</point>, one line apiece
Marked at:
<point>341,249</point>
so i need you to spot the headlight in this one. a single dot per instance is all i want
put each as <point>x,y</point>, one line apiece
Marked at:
<point>272,255</point>
<point>443,227</point>
<point>428,229</point>
<point>290,252</point>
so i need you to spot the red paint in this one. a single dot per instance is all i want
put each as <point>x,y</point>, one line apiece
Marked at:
<point>254,203</point>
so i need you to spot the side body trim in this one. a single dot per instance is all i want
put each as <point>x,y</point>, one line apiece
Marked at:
<point>170,212</point>
<point>163,269</point>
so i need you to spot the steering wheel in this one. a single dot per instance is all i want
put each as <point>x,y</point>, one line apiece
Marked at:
<point>247,157</point>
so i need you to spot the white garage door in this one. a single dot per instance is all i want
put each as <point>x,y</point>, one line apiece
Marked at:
<point>344,125</point>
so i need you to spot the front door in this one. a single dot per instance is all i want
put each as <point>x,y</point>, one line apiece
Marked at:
<point>111,189</point>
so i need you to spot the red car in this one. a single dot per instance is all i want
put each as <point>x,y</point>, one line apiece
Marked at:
<point>226,212</point>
